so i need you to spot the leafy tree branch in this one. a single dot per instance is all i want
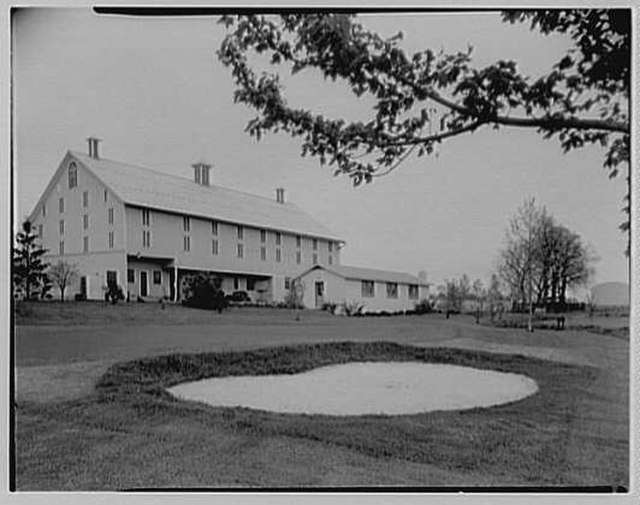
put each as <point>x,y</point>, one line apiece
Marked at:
<point>583,98</point>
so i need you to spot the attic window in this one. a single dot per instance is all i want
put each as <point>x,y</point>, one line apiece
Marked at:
<point>73,175</point>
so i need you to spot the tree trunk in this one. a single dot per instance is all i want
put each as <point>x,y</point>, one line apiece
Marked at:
<point>563,292</point>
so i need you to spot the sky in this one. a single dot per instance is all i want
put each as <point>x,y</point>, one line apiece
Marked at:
<point>155,92</point>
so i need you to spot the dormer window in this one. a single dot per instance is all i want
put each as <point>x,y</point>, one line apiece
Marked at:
<point>73,175</point>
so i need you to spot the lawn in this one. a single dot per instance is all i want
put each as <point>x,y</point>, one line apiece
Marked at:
<point>92,414</point>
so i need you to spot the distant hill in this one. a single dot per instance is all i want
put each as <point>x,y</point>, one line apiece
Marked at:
<point>610,294</point>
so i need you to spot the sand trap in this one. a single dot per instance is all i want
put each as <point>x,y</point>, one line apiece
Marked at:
<point>364,388</point>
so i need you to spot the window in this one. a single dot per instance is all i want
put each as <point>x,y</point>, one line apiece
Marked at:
<point>85,199</point>
<point>214,247</point>
<point>146,239</point>
<point>40,231</point>
<point>240,232</point>
<point>298,241</point>
<point>278,238</point>
<point>298,257</point>
<point>131,276</point>
<point>263,236</point>
<point>330,260</point>
<point>413,291</point>
<point>146,217</point>
<point>112,278</point>
<point>315,258</point>
<point>315,244</point>
<point>85,244</point>
<point>236,283</point>
<point>111,241</point>
<point>110,215</point>
<point>44,210</point>
<point>330,244</point>
<point>61,205</point>
<point>186,223</point>
<point>61,248</point>
<point>106,194</point>
<point>214,227</point>
<point>240,251</point>
<point>368,289</point>
<point>73,175</point>
<point>263,253</point>
<point>186,243</point>
<point>85,221</point>
<point>251,284</point>
<point>278,255</point>
<point>287,283</point>
<point>62,227</point>
<point>157,277</point>
<point>392,290</point>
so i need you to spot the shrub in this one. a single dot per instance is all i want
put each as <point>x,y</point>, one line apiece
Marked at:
<point>330,307</point>
<point>113,293</point>
<point>295,294</point>
<point>352,309</point>
<point>423,307</point>
<point>203,292</point>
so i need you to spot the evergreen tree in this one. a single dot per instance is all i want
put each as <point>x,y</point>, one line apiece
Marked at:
<point>29,269</point>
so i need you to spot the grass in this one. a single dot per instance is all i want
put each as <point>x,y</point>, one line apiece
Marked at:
<point>113,426</point>
<point>54,313</point>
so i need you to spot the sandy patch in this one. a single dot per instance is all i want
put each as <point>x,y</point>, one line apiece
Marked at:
<point>364,388</point>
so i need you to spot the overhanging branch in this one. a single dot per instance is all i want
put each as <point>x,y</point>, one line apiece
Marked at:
<point>555,123</point>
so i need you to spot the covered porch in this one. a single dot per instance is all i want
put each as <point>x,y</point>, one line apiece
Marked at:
<point>258,287</point>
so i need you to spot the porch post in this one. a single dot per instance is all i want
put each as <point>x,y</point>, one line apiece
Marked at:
<point>175,281</point>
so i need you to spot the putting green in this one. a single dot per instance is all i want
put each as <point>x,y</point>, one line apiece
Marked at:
<point>364,388</point>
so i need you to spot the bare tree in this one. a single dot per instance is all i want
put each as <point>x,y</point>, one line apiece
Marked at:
<point>518,264</point>
<point>295,296</point>
<point>62,274</point>
<point>479,295</point>
<point>542,260</point>
<point>494,295</point>
<point>591,303</point>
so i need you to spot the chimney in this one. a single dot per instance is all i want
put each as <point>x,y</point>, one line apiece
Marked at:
<point>422,275</point>
<point>201,173</point>
<point>93,147</point>
<point>280,195</point>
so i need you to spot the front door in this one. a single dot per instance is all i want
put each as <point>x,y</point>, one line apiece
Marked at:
<point>319,294</point>
<point>144,290</point>
<point>83,287</point>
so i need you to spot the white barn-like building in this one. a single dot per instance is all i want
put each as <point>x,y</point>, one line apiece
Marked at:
<point>146,231</point>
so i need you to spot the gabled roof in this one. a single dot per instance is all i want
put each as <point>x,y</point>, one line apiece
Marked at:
<point>143,187</point>
<point>368,274</point>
